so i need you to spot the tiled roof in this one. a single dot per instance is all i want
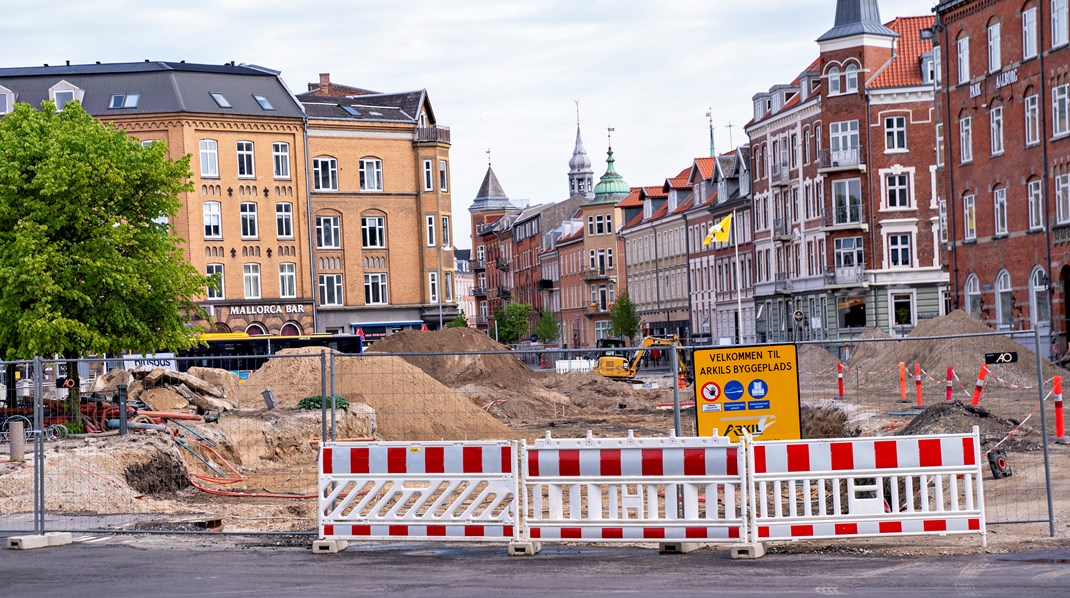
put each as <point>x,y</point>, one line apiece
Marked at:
<point>705,167</point>
<point>679,181</point>
<point>655,192</point>
<point>632,201</point>
<point>905,70</point>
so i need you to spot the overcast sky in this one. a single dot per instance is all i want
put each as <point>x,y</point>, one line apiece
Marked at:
<point>502,74</point>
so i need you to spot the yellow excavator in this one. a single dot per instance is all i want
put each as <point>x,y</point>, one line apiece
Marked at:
<point>615,365</point>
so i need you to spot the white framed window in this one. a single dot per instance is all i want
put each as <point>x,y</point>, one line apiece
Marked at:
<point>447,284</point>
<point>432,286</point>
<point>966,139</point>
<point>445,232</point>
<point>1059,111</point>
<point>1032,119</point>
<point>1036,205</point>
<point>834,81</point>
<point>995,126</point>
<point>429,176</point>
<point>251,277</point>
<point>373,232</point>
<point>220,99</point>
<point>280,157</point>
<point>851,78</point>
<point>902,308</point>
<point>328,232</point>
<point>999,201</point>
<point>443,178</point>
<point>1062,198</point>
<point>994,59</point>
<point>246,164</point>
<point>939,144</point>
<point>897,187</point>
<point>899,251</point>
<point>847,252</point>
<point>209,158</point>
<point>375,291</point>
<point>330,289</point>
<point>963,47</point>
<point>284,227</point>
<point>847,201</point>
<point>215,271</point>
<point>1038,296</point>
<point>64,92</point>
<point>430,231</point>
<point>1059,33</point>
<point>249,228</point>
<point>1029,33</point>
<point>943,220</point>
<point>938,74</point>
<point>7,100</point>
<point>969,218</point>
<point>287,280</point>
<point>1004,300</point>
<point>263,101</point>
<point>371,174</point>
<point>325,174</point>
<point>843,142</point>
<point>212,220</point>
<point>973,295</point>
<point>895,133</point>
<point>124,100</point>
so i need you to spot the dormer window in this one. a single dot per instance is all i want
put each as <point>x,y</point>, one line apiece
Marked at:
<point>263,101</point>
<point>673,201</point>
<point>928,69</point>
<point>64,92</point>
<point>221,100</point>
<point>7,100</point>
<point>124,100</point>
<point>648,209</point>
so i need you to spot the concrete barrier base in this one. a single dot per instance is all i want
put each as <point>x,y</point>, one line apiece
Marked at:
<point>524,548</point>
<point>678,547</point>
<point>329,546</point>
<point>753,550</point>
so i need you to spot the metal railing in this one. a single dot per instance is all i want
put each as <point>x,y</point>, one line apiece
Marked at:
<point>846,274</point>
<point>842,158</point>
<point>849,215</point>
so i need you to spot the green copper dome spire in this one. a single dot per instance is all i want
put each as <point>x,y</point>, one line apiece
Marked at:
<point>612,186</point>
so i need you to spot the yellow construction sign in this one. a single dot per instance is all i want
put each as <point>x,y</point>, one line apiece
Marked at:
<point>748,388</point>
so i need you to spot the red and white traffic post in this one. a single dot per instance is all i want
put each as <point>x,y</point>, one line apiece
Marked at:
<point>839,379</point>
<point>1060,431</point>
<point>950,377</point>
<point>981,375</point>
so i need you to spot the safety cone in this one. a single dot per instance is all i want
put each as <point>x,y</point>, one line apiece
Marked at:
<point>681,382</point>
<point>423,328</point>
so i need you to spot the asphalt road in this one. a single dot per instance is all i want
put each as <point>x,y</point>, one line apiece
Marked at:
<point>167,566</point>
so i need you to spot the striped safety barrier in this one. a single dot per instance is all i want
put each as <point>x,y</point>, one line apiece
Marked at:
<point>866,487</point>
<point>452,491</point>
<point>634,489</point>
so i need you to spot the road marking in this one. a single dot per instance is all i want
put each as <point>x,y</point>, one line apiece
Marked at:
<point>828,591</point>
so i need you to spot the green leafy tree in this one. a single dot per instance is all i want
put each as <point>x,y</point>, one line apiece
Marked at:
<point>623,319</point>
<point>85,264</point>
<point>459,322</point>
<point>546,328</point>
<point>512,322</point>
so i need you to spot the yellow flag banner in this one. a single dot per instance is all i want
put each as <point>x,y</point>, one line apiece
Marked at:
<point>719,232</point>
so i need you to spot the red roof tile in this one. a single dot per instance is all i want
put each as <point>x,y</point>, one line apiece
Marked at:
<point>905,70</point>
<point>655,192</point>
<point>705,167</point>
<point>679,181</point>
<point>632,200</point>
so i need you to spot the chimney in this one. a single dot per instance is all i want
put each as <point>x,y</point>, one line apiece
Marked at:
<point>325,81</point>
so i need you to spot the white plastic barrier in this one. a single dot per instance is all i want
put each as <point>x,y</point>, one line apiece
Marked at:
<point>889,486</point>
<point>451,491</point>
<point>634,489</point>
<point>564,366</point>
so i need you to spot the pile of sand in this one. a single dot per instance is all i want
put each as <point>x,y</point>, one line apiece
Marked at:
<point>471,358</point>
<point>956,417</point>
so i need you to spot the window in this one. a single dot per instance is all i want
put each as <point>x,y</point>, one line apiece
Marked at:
<point>429,176</point>
<point>899,251</point>
<point>328,235</point>
<point>251,275</point>
<point>969,218</point>
<point>1004,300</point>
<point>848,252</point>
<point>61,97</point>
<point>1058,23</point>
<point>966,139</point>
<point>432,286</point>
<point>373,232</point>
<point>1060,115</point>
<point>994,60</point>
<point>851,76</point>
<point>943,220</point>
<point>1032,120</point>
<point>245,160</point>
<point>895,133</point>
<point>1038,283</point>
<point>263,101</point>
<point>215,271</point>
<point>325,174</point>
<point>445,231</point>
<point>999,200</point>
<point>898,190</point>
<point>996,130</point>
<point>903,309</point>
<point>973,295</point>
<point>6,100</point>
<point>834,81</point>
<point>939,144</point>
<point>375,289</point>
<point>280,155</point>
<point>287,280</point>
<point>124,100</point>
<point>448,284</point>
<point>1036,205</point>
<point>284,228</point>
<point>331,289</point>
<point>1062,198</point>
<point>430,231</point>
<point>843,142</point>
<point>963,46</point>
<point>371,174</point>
<point>937,66</point>
<point>442,178</point>
<point>1029,33</point>
<point>847,201</point>
<point>220,99</point>
<point>248,220</point>
<point>209,158</point>
<point>212,220</point>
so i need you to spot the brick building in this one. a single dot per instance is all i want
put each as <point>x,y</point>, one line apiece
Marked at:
<point>1004,122</point>
<point>489,206</point>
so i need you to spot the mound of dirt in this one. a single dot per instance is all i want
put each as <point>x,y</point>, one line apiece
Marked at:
<point>825,421</point>
<point>956,417</point>
<point>868,352</point>
<point>816,363</point>
<point>467,362</point>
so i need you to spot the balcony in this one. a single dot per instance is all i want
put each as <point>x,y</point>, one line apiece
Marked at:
<point>502,264</point>
<point>481,321</point>
<point>842,159</point>
<point>782,229</point>
<point>845,217</point>
<point>589,274</point>
<point>594,309</point>
<point>782,283</point>
<point>846,275</point>
<point>479,264</point>
<point>781,175</point>
<point>504,292</point>
<point>433,135</point>
<point>546,284</point>
<point>479,291</point>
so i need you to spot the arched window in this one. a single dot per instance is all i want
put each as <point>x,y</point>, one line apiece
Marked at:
<point>852,78</point>
<point>1004,300</point>
<point>1038,296</point>
<point>834,80</point>
<point>290,329</point>
<point>973,296</point>
<point>254,330</point>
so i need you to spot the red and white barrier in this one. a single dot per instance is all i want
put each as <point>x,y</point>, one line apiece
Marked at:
<point>866,487</point>
<point>948,385</point>
<point>839,379</point>
<point>630,489</point>
<point>980,387</point>
<point>452,491</point>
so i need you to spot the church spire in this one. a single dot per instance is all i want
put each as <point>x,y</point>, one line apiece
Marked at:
<point>580,175</point>
<point>854,17</point>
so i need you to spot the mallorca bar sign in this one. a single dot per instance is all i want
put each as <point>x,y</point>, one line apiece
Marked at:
<point>1006,78</point>
<point>259,310</point>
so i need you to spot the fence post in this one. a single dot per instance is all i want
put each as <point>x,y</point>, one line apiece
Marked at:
<point>16,436</point>
<point>1044,435</point>
<point>675,390</point>
<point>323,398</point>
<point>38,446</point>
<point>122,410</point>
<point>334,407</point>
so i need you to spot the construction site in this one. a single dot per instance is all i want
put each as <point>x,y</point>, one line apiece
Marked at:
<point>208,450</point>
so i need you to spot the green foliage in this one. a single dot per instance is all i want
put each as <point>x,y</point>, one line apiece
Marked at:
<point>459,322</point>
<point>623,319</point>
<point>512,322</point>
<point>316,402</point>
<point>85,266</point>
<point>546,328</point>
<point>74,426</point>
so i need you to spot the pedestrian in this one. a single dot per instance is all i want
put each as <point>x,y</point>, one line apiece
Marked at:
<point>656,356</point>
